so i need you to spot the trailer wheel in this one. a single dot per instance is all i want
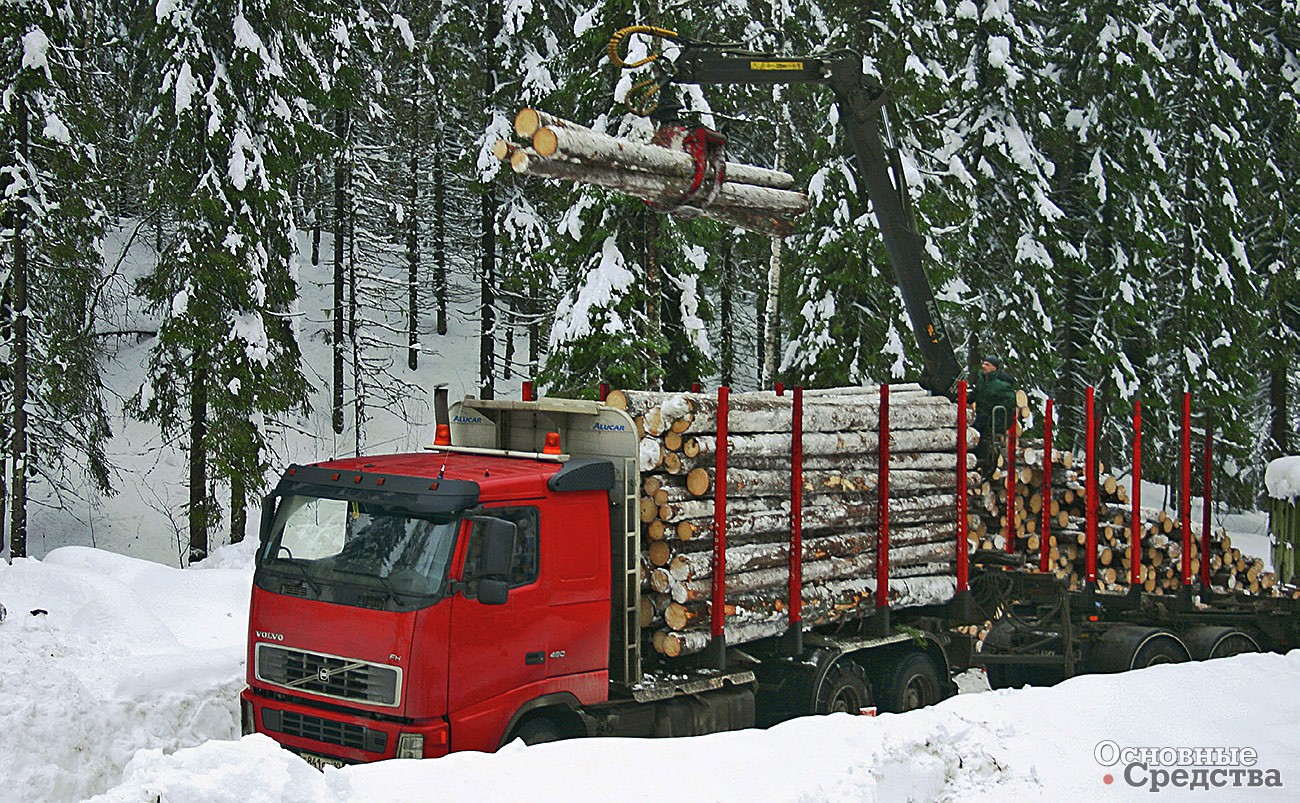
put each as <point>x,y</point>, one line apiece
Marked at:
<point>538,730</point>
<point>843,690</point>
<point>910,683</point>
<point>1125,647</point>
<point>1160,651</point>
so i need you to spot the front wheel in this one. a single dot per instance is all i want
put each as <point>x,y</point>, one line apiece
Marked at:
<point>537,731</point>
<point>844,690</point>
<point>910,683</point>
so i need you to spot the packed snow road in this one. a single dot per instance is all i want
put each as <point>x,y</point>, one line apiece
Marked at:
<point>119,681</point>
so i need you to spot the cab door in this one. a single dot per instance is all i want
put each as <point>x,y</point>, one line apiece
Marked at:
<point>497,649</point>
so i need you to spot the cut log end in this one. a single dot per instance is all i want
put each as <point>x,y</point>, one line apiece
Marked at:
<point>527,122</point>
<point>545,142</point>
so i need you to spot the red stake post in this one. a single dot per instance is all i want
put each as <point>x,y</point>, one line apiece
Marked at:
<point>1011,486</point>
<point>963,518</point>
<point>1135,540</point>
<point>718,612</point>
<point>604,390</point>
<point>1045,535</point>
<point>1090,538</point>
<point>528,392</point>
<point>1206,489</point>
<point>1185,506</point>
<point>882,532</point>
<point>796,510</point>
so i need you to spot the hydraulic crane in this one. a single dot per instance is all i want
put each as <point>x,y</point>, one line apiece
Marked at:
<point>864,112</point>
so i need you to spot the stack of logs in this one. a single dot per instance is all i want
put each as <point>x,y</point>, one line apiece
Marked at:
<point>660,172</point>
<point>679,446</point>
<point>1160,549</point>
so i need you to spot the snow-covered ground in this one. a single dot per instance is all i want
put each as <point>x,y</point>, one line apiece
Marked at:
<point>119,680</point>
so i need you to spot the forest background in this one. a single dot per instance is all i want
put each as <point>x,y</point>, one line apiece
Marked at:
<point>1107,193</point>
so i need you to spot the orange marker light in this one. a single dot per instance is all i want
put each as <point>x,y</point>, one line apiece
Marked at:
<point>442,435</point>
<point>552,443</point>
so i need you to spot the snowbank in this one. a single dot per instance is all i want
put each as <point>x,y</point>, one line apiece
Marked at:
<point>105,655</point>
<point>1007,745</point>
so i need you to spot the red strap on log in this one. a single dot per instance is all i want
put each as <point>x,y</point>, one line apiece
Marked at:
<point>1045,532</point>
<point>796,510</point>
<point>882,533</point>
<point>1205,508</point>
<point>1135,540</point>
<point>963,518</point>
<point>1011,485</point>
<point>1090,541</point>
<point>717,614</point>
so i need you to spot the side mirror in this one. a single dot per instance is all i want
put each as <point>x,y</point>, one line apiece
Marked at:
<point>264,530</point>
<point>498,551</point>
<point>493,592</point>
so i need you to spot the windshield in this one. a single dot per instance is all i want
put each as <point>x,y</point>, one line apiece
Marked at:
<point>327,546</point>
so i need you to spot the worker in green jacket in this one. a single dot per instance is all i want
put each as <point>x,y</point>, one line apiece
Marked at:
<point>995,407</point>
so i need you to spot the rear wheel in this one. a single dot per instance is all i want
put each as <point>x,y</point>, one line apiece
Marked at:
<point>1162,649</point>
<point>910,683</point>
<point>537,731</point>
<point>844,690</point>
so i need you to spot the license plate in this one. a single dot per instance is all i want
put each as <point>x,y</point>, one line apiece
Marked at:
<point>320,762</point>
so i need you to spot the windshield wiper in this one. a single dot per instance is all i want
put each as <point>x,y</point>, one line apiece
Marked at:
<point>302,569</point>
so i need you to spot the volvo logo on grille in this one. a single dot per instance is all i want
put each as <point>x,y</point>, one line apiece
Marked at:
<point>323,674</point>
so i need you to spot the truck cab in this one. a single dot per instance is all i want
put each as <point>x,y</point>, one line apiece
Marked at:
<point>409,605</point>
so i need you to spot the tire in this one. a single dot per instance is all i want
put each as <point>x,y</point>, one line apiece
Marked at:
<point>911,682</point>
<point>1162,649</point>
<point>538,731</point>
<point>843,690</point>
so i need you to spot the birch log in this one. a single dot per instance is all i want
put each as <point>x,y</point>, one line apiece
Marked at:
<point>576,143</point>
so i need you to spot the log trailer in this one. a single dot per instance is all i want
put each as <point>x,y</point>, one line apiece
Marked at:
<point>489,588</point>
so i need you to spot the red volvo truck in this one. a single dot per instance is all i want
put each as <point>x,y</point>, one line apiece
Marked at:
<point>410,605</point>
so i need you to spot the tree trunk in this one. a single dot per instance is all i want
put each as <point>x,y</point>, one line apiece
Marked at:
<point>1279,427</point>
<point>413,233</point>
<point>198,462</point>
<point>440,230</point>
<point>654,295</point>
<point>487,295</point>
<point>771,315</point>
<point>340,218</point>
<point>238,507</point>
<point>18,435</point>
<point>726,348</point>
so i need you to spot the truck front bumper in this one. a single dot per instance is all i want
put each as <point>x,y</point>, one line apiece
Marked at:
<point>326,733</point>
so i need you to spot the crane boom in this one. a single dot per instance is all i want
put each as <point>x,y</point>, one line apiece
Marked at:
<point>863,107</point>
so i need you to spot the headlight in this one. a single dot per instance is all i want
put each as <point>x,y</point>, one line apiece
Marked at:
<point>410,745</point>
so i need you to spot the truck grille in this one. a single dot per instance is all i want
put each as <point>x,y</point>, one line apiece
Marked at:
<point>343,734</point>
<point>329,675</point>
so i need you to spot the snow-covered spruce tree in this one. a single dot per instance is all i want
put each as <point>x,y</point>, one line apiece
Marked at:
<point>52,219</point>
<point>1209,323</point>
<point>226,359</point>
<point>847,319</point>
<point>996,125</point>
<point>619,263</point>
<point>1273,212</point>
<point>1108,250</point>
